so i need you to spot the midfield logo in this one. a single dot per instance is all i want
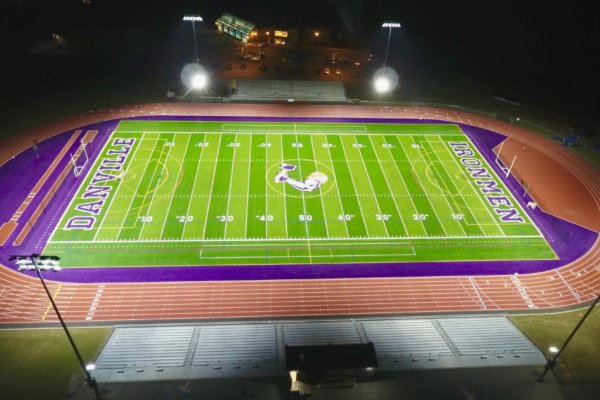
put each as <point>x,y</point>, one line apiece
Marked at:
<point>312,182</point>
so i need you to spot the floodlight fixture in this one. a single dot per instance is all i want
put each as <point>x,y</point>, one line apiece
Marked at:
<point>553,349</point>
<point>38,262</point>
<point>193,18</point>
<point>195,78</point>
<point>199,81</point>
<point>382,85</point>
<point>390,25</point>
<point>385,80</point>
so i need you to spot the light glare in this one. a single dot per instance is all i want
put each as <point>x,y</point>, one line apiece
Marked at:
<point>391,25</point>
<point>382,85</point>
<point>385,80</point>
<point>199,81</point>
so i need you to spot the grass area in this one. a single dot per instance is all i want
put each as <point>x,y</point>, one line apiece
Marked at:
<point>580,362</point>
<point>40,364</point>
<point>219,193</point>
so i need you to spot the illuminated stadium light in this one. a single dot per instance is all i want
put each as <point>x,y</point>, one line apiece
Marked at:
<point>193,18</point>
<point>199,81</point>
<point>382,85</point>
<point>194,76</point>
<point>39,263</point>
<point>385,80</point>
<point>553,349</point>
<point>390,26</point>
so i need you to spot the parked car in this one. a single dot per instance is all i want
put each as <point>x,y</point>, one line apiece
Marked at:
<point>326,71</point>
<point>243,67</point>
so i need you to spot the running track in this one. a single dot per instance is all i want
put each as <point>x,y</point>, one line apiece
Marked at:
<point>22,300</point>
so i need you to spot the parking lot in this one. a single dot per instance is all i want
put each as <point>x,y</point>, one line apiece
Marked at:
<point>292,62</point>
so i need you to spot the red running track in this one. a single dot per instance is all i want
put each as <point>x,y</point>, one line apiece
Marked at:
<point>22,299</point>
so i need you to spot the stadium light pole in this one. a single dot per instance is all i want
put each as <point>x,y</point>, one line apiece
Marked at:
<point>193,19</point>
<point>91,382</point>
<point>554,359</point>
<point>390,25</point>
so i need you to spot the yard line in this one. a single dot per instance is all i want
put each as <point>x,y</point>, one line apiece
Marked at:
<point>266,187</point>
<point>418,180</point>
<point>248,191</point>
<point>210,193</point>
<point>433,157</point>
<point>371,186</point>
<point>287,235</point>
<point>177,180</point>
<point>320,199</point>
<point>401,179</point>
<point>162,168</point>
<point>499,238</point>
<point>302,193</point>
<point>193,186</point>
<point>445,145</point>
<point>132,159</point>
<point>337,189</point>
<point>235,140</point>
<point>133,196</point>
<point>354,186</point>
<point>388,185</point>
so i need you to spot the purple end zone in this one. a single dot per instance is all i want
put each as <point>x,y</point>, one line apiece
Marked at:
<point>569,241</point>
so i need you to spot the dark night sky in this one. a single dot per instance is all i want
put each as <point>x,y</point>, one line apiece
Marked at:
<point>551,51</point>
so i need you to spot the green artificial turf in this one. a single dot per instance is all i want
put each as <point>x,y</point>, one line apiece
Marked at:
<point>206,193</point>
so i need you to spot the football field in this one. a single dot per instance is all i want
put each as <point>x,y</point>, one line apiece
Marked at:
<point>169,193</point>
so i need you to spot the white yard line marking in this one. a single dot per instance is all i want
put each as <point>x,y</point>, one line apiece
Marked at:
<point>302,193</point>
<point>388,187</point>
<point>230,184</point>
<point>387,233</point>
<point>248,189</point>
<point>337,189</point>
<point>162,167</point>
<point>418,180</point>
<point>162,231</point>
<point>445,191</point>
<point>266,187</point>
<point>471,185</point>
<point>135,193</point>
<point>211,187</point>
<point>405,186</point>
<point>496,239</point>
<point>320,199</point>
<point>354,187</point>
<point>204,139</point>
<point>284,194</point>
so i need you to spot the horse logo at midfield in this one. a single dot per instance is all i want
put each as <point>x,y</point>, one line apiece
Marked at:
<point>311,183</point>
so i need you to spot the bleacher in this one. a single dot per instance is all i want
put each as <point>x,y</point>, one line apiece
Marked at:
<point>289,91</point>
<point>252,349</point>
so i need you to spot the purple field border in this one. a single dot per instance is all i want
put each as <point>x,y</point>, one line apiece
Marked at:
<point>569,241</point>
